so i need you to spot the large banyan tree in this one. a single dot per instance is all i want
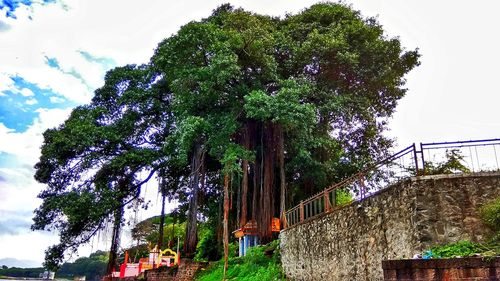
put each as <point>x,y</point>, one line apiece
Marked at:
<point>270,109</point>
<point>293,103</point>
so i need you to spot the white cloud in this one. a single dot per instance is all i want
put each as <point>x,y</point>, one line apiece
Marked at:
<point>31,102</point>
<point>6,83</point>
<point>26,145</point>
<point>17,246</point>
<point>18,188</point>
<point>56,99</point>
<point>16,180</point>
<point>127,35</point>
<point>26,92</point>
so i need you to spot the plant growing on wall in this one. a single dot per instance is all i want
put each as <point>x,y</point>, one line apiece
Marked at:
<point>490,215</point>
<point>454,163</point>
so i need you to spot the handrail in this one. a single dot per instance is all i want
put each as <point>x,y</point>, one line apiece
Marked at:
<point>317,199</point>
<point>456,142</point>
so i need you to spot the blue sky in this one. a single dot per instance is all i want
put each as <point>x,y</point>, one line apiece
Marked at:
<point>54,54</point>
<point>19,101</point>
<point>10,6</point>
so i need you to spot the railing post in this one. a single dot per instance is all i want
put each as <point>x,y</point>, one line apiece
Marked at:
<point>423,160</point>
<point>334,198</point>
<point>415,159</point>
<point>327,201</point>
<point>362,186</point>
<point>285,220</point>
<point>301,211</point>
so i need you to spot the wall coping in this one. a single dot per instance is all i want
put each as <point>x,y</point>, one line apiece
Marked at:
<point>457,175</point>
<point>471,262</point>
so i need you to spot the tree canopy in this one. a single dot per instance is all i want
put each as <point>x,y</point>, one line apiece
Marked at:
<point>250,110</point>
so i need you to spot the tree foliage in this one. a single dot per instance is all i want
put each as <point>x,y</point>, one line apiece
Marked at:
<point>93,164</point>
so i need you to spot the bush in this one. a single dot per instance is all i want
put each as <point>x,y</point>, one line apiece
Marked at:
<point>454,163</point>
<point>459,249</point>
<point>490,214</point>
<point>343,197</point>
<point>208,249</point>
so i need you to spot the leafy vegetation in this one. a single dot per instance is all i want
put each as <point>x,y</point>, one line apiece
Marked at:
<point>208,249</point>
<point>21,272</point>
<point>343,197</point>
<point>452,164</point>
<point>463,249</point>
<point>147,233</point>
<point>92,267</point>
<point>260,263</point>
<point>490,214</point>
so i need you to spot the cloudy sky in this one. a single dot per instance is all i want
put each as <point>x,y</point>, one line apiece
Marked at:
<point>54,54</point>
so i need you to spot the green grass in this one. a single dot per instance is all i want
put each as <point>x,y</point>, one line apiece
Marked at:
<point>254,266</point>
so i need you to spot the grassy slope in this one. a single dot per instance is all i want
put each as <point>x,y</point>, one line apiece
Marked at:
<point>254,266</point>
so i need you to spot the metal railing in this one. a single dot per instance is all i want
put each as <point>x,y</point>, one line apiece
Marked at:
<point>475,155</point>
<point>401,165</point>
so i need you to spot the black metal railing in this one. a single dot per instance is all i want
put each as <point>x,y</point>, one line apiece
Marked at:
<point>474,155</point>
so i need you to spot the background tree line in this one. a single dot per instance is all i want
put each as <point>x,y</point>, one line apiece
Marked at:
<point>92,267</point>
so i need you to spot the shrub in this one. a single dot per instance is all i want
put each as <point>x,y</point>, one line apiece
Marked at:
<point>343,196</point>
<point>454,163</point>
<point>208,249</point>
<point>459,249</point>
<point>490,214</point>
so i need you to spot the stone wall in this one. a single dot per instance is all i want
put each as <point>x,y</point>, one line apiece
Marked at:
<point>463,269</point>
<point>350,243</point>
<point>161,274</point>
<point>185,272</point>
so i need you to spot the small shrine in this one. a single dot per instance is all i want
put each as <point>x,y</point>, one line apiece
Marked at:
<point>248,235</point>
<point>157,258</point>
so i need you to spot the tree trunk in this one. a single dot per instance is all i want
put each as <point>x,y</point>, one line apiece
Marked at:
<point>244,194</point>
<point>162,220</point>
<point>225,223</point>
<point>281,160</point>
<point>266,210</point>
<point>256,189</point>
<point>115,240</point>
<point>191,227</point>
<point>172,241</point>
<point>238,205</point>
<point>244,181</point>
